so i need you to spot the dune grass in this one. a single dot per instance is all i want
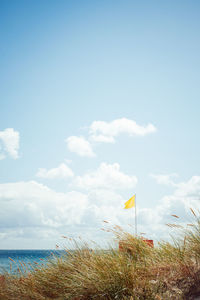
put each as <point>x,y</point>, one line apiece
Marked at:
<point>167,271</point>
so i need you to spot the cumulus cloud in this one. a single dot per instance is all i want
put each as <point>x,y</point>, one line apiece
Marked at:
<point>80,146</point>
<point>30,210</point>
<point>189,189</point>
<point>9,143</point>
<point>185,196</point>
<point>107,176</point>
<point>62,171</point>
<point>106,132</point>
<point>165,179</point>
<point>29,204</point>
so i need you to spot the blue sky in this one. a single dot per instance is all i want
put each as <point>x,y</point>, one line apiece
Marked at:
<point>66,65</point>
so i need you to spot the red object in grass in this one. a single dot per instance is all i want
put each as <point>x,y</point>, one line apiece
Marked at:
<point>2,280</point>
<point>149,242</point>
<point>123,247</point>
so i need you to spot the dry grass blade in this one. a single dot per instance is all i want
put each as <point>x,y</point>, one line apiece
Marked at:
<point>192,211</point>
<point>174,225</point>
<point>175,216</point>
<point>12,260</point>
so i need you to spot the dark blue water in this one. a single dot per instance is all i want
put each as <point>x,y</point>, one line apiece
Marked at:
<point>11,260</point>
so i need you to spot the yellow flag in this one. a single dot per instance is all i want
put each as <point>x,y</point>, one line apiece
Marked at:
<point>130,203</point>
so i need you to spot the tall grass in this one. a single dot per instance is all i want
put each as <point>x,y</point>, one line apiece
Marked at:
<point>167,271</point>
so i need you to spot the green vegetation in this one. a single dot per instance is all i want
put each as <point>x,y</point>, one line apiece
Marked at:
<point>167,271</point>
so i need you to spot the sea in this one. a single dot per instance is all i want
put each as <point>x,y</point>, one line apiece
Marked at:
<point>13,261</point>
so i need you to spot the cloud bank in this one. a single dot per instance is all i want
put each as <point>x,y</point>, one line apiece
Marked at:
<point>33,207</point>
<point>32,210</point>
<point>185,196</point>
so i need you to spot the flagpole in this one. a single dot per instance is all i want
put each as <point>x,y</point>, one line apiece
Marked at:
<point>135,218</point>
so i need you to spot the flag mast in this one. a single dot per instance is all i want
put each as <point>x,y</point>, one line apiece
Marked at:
<point>135,218</point>
<point>129,204</point>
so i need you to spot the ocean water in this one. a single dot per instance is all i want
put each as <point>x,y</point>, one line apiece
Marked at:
<point>11,260</point>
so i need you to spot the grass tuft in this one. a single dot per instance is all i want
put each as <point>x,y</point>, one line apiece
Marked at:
<point>138,271</point>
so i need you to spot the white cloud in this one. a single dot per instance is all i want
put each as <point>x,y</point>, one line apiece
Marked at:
<point>165,179</point>
<point>101,131</point>
<point>29,204</point>
<point>30,210</point>
<point>62,171</point>
<point>80,146</point>
<point>9,143</point>
<point>185,196</point>
<point>107,176</point>
<point>190,189</point>
<point>102,138</point>
<point>106,132</point>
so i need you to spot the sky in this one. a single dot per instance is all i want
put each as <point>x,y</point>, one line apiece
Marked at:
<point>99,100</point>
